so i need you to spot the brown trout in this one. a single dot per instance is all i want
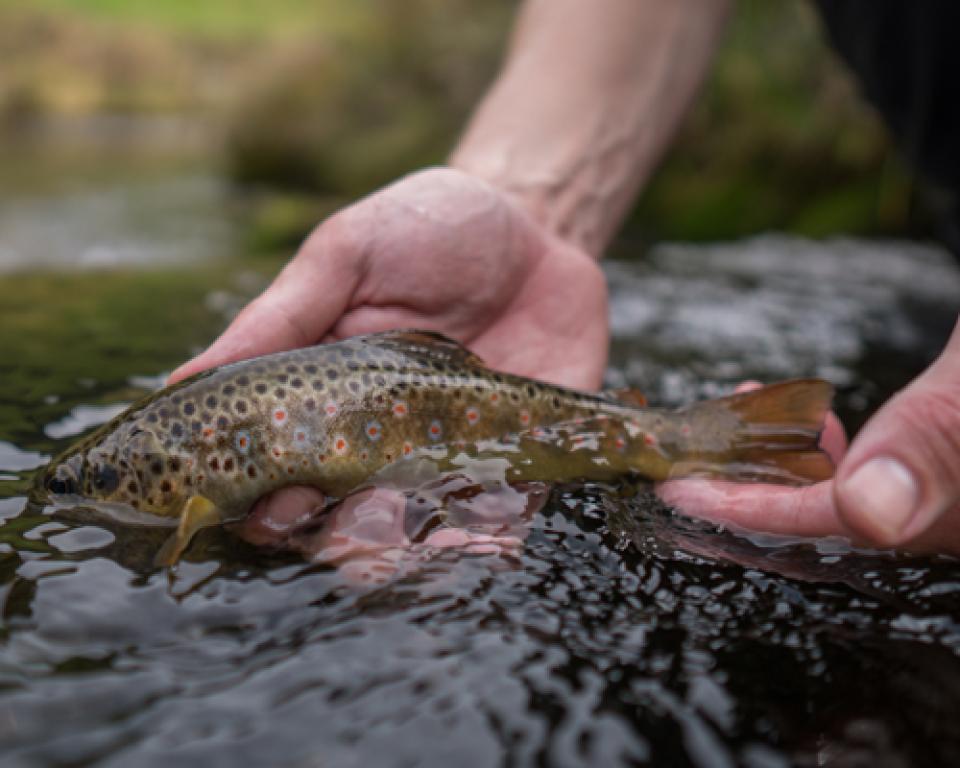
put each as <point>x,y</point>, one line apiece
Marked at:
<point>334,416</point>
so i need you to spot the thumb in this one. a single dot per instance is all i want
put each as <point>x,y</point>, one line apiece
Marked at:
<point>902,472</point>
<point>304,301</point>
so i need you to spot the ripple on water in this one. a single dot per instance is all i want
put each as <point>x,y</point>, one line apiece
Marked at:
<point>620,633</point>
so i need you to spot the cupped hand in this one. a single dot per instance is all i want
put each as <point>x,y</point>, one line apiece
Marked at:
<point>438,250</point>
<point>898,485</point>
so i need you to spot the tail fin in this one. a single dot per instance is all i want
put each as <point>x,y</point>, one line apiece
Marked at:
<point>770,434</point>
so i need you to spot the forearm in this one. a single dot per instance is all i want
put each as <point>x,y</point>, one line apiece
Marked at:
<point>585,105</point>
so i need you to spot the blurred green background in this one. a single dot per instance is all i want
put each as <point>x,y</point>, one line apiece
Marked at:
<point>321,101</point>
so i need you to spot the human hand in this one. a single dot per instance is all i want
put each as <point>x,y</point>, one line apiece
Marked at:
<point>897,486</point>
<point>438,250</point>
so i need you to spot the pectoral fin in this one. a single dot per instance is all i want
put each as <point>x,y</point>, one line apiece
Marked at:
<point>198,512</point>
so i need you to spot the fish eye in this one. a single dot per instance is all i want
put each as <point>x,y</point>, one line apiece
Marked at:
<point>105,478</point>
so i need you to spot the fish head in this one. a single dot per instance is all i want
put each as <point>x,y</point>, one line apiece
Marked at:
<point>127,464</point>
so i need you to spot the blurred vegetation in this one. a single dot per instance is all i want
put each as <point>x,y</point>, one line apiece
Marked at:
<point>328,99</point>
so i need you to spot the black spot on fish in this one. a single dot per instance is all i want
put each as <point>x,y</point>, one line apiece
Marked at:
<point>365,380</point>
<point>292,368</point>
<point>311,369</point>
<point>156,466</point>
<point>196,426</point>
<point>177,429</point>
<point>260,388</point>
<point>251,471</point>
<point>189,409</point>
<point>280,392</point>
<point>380,380</point>
<point>174,464</point>
<point>240,406</point>
<point>317,384</point>
<point>165,486</point>
<point>222,422</point>
<point>131,487</point>
<point>353,365</point>
<point>530,390</point>
<point>556,401</point>
<point>152,418</point>
<point>332,374</point>
<point>389,367</point>
<point>310,404</point>
<point>229,390</point>
<point>353,386</point>
<point>211,401</point>
<point>243,381</point>
<point>283,378</point>
<point>296,383</point>
<point>176,399</point>
<point>228,464</point>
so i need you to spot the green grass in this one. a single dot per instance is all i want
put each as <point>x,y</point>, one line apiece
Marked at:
<point>222,19</point>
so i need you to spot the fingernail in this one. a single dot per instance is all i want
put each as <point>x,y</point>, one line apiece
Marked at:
<point>883,492</point>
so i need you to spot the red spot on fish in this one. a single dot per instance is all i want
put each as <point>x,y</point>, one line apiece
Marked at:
<point>279,415</point>
<point>524,417</point>
<point>620,443</point>
<point>277,452</point>
<point>373,430</point>
<point>363,455</point>
<point>435,430</point>
<point>400,409</point>
<point>290,470</point>
<point>340,445</point>
<point>494,397</point>
<point>649,439</point>
<point>407,449</point>
<point>685,429</point>
<point>208,432</point>
<point>473,415</point>
<point>330,408</point>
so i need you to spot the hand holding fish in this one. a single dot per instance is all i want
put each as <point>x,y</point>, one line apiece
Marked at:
<point>439,249</point>
<point>897,486</point>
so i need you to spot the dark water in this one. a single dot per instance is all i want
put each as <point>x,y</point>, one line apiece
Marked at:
<point>621,633</point>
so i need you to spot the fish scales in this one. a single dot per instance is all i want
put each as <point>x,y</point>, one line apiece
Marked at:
<point>334,415</point>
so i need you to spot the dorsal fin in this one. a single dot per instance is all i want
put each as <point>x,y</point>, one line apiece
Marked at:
<point>431,343</point>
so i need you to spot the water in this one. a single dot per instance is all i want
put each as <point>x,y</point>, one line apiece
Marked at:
<point>621,633</point>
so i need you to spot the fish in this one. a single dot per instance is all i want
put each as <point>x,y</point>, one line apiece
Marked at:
<point>336,416</point>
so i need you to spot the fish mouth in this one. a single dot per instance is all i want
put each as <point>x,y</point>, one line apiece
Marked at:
<point>60,479</point>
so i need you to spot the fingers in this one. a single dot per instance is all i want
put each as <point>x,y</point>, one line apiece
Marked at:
<point>902,473</point>
<point>276,516</point>
<point>784,510</point>
<point>779,509</point>
<point>300,306</point>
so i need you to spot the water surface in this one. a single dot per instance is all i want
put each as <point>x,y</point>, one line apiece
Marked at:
<point>621,633</point>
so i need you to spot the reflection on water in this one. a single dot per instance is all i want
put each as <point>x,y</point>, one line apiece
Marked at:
<point>619,634</point>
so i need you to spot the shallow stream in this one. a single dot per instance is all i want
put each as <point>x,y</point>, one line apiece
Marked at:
<point>621,633</point>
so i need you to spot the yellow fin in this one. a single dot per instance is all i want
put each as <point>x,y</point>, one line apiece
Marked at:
<point>198,512</point>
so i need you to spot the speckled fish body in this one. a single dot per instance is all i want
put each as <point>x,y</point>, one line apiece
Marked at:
<point>333,416</point>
